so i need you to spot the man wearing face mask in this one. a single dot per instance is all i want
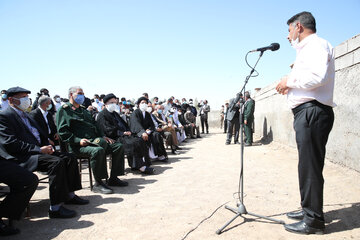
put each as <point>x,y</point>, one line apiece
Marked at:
<point>4,103</point>
<point>44,92</point>
<point>58,102</point>
<point>77,128</point>
<point>116,128</point>
<point>22,138</point>
<point>309,88</point>
<point>45,121</point>
<point>143,126</point>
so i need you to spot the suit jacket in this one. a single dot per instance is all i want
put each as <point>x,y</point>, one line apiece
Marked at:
<point>112,124</point>
<point>17,139</point>
<point>204,110</point>
<point>38,117</point>
<point>233,110</point>
<point>139,124</point>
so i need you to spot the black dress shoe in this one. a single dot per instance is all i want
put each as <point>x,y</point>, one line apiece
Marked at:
<point>227,143</point>
<point>6,230</point>
<point>299,215</point>
<point>76,200</point>
<point>148,171</point>
<point>302,228</point>
<point>178,148</point>
<point>117,182</point>
<point>248,144</point>
<point>62,213</point>
<point>102,188</point>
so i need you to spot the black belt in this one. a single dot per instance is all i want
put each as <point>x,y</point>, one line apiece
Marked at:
<point>312,103</point>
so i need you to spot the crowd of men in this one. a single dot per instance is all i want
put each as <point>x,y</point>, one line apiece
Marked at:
<point>52,133</point>
<point>239,110</point>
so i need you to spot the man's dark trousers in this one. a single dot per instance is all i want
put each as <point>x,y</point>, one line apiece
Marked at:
<point>312,126</point>
<point>22,184</point>
<point>234,123</point>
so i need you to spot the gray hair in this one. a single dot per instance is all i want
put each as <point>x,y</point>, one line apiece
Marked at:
<point>73,90</point>
<point>305,18</point>
<point>43,99</point>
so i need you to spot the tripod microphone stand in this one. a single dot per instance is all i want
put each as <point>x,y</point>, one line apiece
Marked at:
<point>241,209</point>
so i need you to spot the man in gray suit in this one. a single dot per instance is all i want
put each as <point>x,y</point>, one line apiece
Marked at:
<point>204,109</point>
<point>232,117</point>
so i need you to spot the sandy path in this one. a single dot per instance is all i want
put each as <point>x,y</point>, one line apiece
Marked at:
<point>191,186</point>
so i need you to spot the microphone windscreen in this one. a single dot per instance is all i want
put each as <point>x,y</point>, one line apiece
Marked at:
<point>275,46</point>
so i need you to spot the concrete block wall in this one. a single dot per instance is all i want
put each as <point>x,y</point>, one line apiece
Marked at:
<point>274,120</point>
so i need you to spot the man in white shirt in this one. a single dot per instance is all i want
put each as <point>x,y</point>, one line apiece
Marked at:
<point>309,89</point>
<point>97,103</point>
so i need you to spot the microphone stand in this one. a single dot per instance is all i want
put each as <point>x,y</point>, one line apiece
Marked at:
<point>241,210</point>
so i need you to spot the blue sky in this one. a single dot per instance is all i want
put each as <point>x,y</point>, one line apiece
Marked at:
<point>185,48</point>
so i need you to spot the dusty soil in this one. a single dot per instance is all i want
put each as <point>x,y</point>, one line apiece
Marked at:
<point>191,186</point>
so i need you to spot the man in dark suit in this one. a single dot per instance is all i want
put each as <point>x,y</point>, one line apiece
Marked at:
<point>22,184</point>
<point>23,139</point>
<point>232,117</point>
<point>110,122</point>
<point>143,126</point>
<point>45,120</point>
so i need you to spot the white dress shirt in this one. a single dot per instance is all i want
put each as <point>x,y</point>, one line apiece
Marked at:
<point>313,73</point>
<point>45,113</point>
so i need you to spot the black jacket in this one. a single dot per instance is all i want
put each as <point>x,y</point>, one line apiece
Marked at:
<point>37,116</point>
<point>139,124</point>
<point>17,139</point>
<point>112,124</point>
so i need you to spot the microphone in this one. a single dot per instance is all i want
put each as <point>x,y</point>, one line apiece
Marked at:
<point>272,47</point>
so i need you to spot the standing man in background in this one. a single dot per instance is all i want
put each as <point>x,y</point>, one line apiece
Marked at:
<point>249,109</point>
<point>205,108</point>
<point>309,88</point>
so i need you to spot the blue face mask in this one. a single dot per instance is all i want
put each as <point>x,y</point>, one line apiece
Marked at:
<point>160,111</point>
<point>170,116</point>
<point>79,99</point>
<point>124,102</point>
<point>4,96</point>
<point>128,103</point>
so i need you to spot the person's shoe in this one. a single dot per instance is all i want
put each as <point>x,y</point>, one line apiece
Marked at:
<point>163,158</point>
<point>237,142</point>
<point>173,151</point>
<point>302,228</point>
<point>299,215</point>
<point>193,137</point>
<point>227,143</point>
<point>178,148</point>
<point>76,200</point>
<point>198,136</point>
<point>248,144</point>
<point>102,188</point>
<point>6,230</point>
<point>62,213</point>
<point>202,133</point>
<point>148,171</point>
<point>117,182</point>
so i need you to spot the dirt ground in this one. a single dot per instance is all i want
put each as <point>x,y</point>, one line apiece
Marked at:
<point>191,186</point>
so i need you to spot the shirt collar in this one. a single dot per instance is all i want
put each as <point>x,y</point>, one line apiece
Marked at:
<point>306,40</point>
<point>43,112</point>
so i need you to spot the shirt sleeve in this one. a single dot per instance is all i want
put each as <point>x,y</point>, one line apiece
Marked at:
<point>310,69</point>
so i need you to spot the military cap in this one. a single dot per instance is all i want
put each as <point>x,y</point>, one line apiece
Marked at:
<point>108,97</point>
<point>14,90</point>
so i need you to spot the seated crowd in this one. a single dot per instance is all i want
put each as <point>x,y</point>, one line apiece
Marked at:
<point>31,136</point>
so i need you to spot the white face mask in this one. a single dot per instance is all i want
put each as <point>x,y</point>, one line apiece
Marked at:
<point>24,103</point>
<point>58,100</point>
<point>49,107</point>
<point>295,42</point>
<point>149,109</point>
<point>143,106</point>
<point>111,107</point>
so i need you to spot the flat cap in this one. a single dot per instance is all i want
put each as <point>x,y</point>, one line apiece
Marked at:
<point>14,90</point>
<point>108,97</point>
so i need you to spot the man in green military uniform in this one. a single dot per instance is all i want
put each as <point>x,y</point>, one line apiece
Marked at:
<point>77,128</point>
<point>249,109</point>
